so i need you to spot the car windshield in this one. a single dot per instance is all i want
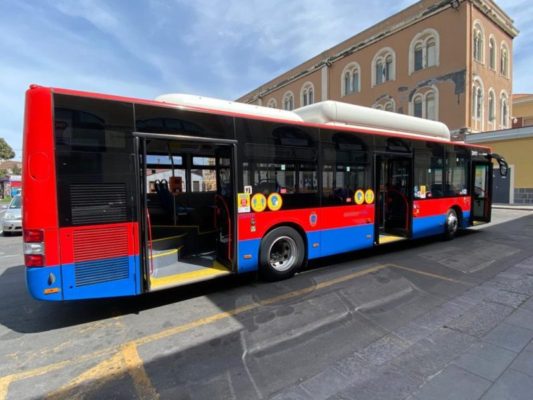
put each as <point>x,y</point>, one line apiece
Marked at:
<point>16,202</point>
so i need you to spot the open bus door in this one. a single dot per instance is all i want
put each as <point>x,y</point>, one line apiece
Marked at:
<point>394,201</point>
<point>189,217</point>
<point>481,191</point>
<point>482,186</point>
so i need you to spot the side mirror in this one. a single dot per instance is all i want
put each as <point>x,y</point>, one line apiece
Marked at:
<point>504,167</point>
<point>3,207</point>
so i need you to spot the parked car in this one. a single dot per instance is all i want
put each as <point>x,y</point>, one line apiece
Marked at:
<point>12,219</point>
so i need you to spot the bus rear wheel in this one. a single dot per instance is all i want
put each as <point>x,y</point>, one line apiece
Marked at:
<point>451,224</point>
<point>281,254</point>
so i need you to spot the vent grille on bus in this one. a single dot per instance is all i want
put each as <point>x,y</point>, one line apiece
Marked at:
<point>100,254</point>
<point>100,242</point>
<point>100,271</point>
<point>98,203</point>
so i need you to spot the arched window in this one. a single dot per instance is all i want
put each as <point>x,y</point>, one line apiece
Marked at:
<point>418,110</point>
<point>492,106</point>
<point>419,56</point>
<point>272,103</point>
<point>390,105</point>
<point>504,60</point>
<point>424,50</point>
<point>288,101</point>
<point>425,103</point>
<point>431,52</point>
<point>477,104</point>
<point>478,38</point>
<point>351,79</point>
<point>383,66</point>
<point>504,110</point>
<point>430,106</point>
<point>307,94</point>
<point>492,53</point>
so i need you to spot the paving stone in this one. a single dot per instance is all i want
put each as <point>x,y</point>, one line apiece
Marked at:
<point>523,285</point>
<point>437,318</point>
<point>387,383</point>
<point>293,393</point>
<point>510,337</point>
<point>507,298</point>
<point>384,349</point>
<point>325,384</point>
<point>528,304</point>
<point>413,332</point>
<point>521,317</point>
<point>481,318</point>
<point>524,363</point>
<point>527,263</point>
<point>432,354</point>
<point>454,383</point>
<point>353,366</point>
<point>512,385</point>
<point>485,360</point>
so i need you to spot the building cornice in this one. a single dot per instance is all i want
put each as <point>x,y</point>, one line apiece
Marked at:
<point>493,12</point>
<point>498,136</point>
<point>328,61</point>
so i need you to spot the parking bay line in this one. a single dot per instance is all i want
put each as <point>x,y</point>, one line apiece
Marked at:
<point>6,380</point>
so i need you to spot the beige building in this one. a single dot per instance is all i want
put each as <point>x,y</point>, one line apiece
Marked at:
<point>443,60</point>
<point>522,110</point>
<point>515,145</point>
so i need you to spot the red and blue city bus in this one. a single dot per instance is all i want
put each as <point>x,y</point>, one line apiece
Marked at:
<point>125,196</point>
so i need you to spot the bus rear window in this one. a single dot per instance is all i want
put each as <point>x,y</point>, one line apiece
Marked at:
<point>92,125</point>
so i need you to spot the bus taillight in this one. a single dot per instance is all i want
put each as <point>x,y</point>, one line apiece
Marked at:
<point>33,248</point>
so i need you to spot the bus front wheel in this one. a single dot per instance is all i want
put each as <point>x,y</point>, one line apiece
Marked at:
<point>281,253</point>
<point>451,224</point>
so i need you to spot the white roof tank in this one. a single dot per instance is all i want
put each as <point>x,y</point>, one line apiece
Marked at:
<point>209,103</point>
<point>337,113</point>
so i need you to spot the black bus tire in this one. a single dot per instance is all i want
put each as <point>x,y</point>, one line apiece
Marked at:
<point>281,254</point>
<point>451,225</point>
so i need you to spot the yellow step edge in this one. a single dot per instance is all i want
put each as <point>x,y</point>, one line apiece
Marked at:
<point>389,239</point>
<point>168,237</point>
<point>204,273</point>
<point>166,253</point>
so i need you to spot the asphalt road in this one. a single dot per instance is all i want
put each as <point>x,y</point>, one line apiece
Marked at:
<point>375,324</point>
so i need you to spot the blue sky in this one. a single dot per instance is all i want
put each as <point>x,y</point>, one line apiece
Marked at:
<point>214,48</point>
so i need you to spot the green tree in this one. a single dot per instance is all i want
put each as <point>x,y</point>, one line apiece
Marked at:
<point>6,152</point>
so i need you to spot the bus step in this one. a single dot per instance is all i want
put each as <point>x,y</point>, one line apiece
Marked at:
<point>169,242</point>
<point>188,273</point>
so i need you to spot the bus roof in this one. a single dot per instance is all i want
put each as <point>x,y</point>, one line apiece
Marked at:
<point>230,108</point>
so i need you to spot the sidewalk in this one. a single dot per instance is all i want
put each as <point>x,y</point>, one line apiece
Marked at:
<point>524,207</point>
<point>477,346</point>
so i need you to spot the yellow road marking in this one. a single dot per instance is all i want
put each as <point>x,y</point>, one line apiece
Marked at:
<point>431,275</point>
<point>143,386</point>
<point>128,358</point>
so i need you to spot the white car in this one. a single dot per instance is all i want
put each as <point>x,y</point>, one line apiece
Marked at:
<point>12,219</point>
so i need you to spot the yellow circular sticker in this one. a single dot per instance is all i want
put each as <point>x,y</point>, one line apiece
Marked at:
<point>359,197</point>
<point>274,201</point>
<point>369,196</point>
<point>259,202</point>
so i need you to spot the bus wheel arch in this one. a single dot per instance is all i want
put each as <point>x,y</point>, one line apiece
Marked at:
<point>453,221</point>
<point>282,252</point>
